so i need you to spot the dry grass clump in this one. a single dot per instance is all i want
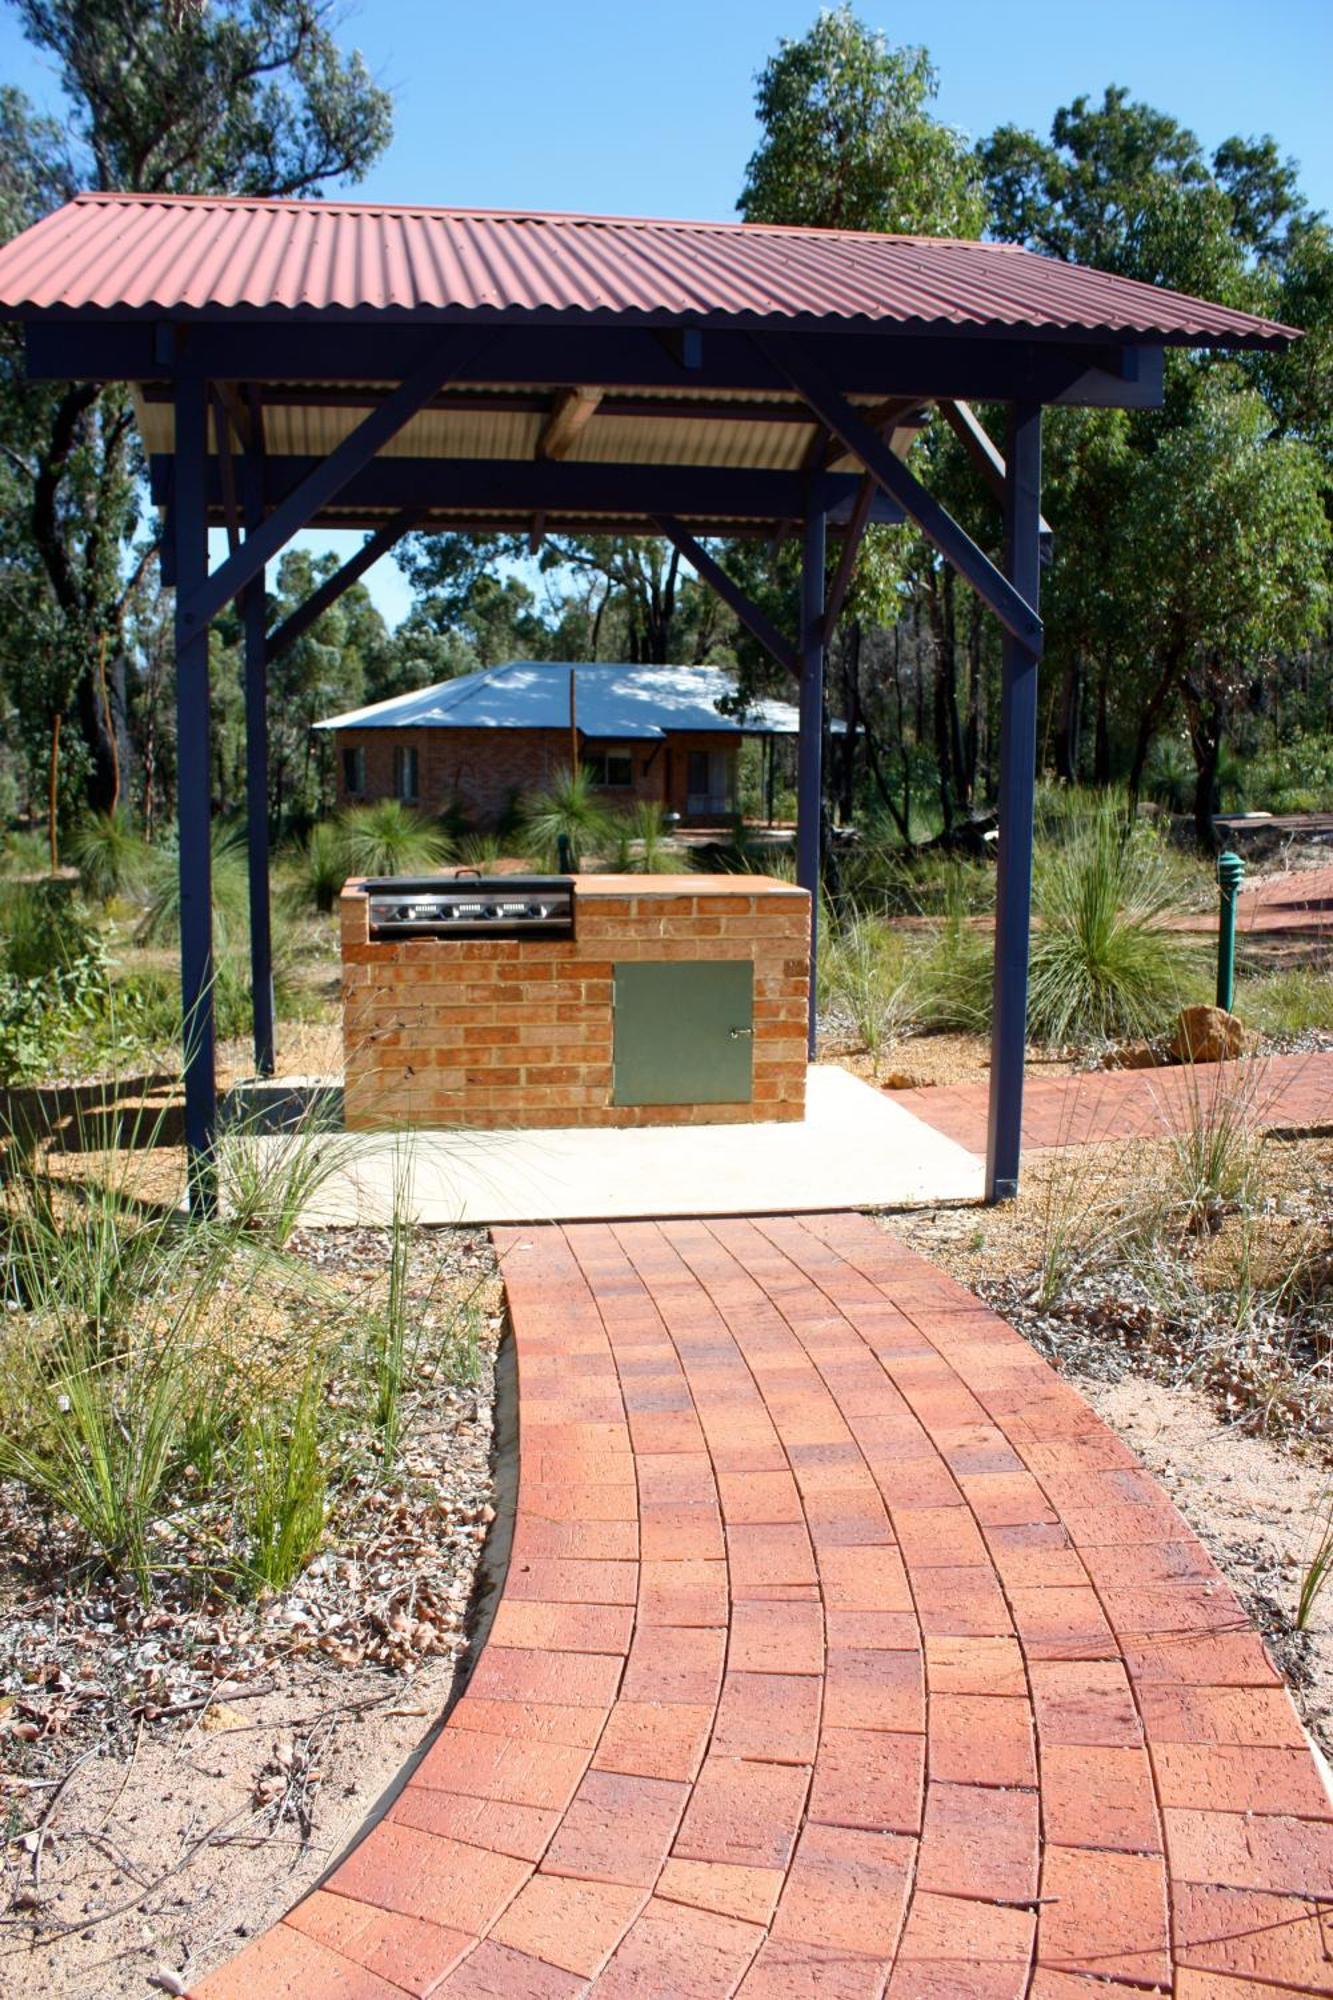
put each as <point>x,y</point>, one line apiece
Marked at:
<point>185,1401</point>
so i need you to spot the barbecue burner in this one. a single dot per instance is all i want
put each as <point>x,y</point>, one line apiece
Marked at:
<point>458,906</point>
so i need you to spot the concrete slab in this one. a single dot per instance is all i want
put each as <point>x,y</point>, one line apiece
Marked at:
<point>855,1148</point>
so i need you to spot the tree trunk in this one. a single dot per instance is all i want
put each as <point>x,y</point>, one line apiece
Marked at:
<point>53,795</point>
<point>1150,718</point>
<point>1101,753</point>
<point>851,709</point>
<point>1207,727</point>
<point>1067,735</point>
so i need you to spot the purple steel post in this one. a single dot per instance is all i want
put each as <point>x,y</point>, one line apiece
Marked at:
<point>194,790</point>
<point>810,746</point>
<point>1018,779</point>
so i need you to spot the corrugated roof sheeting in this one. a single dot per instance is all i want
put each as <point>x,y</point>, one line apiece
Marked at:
<point>303,430</point>
<point>122,253</point>
<point>613,703</point>
<point>681,441</point>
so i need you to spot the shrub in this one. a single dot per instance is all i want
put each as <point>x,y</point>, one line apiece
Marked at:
<point>570,809</point>
<point>24,853</point>
<point>55,990</point>
<point>480,851</point>
<point>867,979</point>
<point>45,929</point>
<point>161,920</point>
<point>1320,1565</point>
<point>187,1402</point>
<point>322,865</point>
<point>389,838</point>
<point>644,845</point>
<point>1104,961</point>
<point>955,967</point>
<point>1169,774</point>
<point>1289,1002</point>
<point>284,1485</point>
<point>110,856</point>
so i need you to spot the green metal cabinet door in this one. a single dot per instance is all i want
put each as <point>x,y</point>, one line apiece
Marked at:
<point>684,1033</point>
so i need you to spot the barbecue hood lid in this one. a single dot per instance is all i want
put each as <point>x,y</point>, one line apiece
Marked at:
<point>443,885</point>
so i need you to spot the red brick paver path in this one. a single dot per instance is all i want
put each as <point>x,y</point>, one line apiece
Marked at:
<point>1276,1093</point>
<point>843,1653</point>
<point>1296,905</point>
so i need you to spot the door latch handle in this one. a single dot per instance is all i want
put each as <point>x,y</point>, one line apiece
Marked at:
<point>742,1034</point>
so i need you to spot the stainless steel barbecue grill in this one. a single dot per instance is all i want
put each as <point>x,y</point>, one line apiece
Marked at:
<point>471,906</point>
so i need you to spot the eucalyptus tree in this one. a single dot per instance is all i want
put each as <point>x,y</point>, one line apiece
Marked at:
<point>1130,633</point>
<point>251,97</point>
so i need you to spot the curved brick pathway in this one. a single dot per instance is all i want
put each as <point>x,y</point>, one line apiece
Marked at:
<point>1275,1093</point>
<point>843,1653</point>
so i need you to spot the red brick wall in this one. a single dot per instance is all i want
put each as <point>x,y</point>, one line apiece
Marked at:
<point>494,1032</point>
<point>483,770</point>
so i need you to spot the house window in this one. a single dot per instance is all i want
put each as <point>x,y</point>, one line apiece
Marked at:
<point>354,771</point>
<point>612,768</point>
<point>710,784</point>
<point>406,775</point>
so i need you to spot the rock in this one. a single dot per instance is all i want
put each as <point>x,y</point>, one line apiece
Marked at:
<point>219,1716</point>
<point>905,1079</point>
<point>1137,1055</point>
<point>1207,1034</point>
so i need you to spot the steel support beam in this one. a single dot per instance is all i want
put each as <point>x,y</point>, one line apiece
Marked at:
<point>254,612</point>
<point>1018,778</point>
<point>981,448</point>
<point>851,549</point>
<point>194,793</point>
<point>1014,612</point>
<point>295,627</point>
<point>1056,368</point>
<point>810,744</point>
<point>713,574</point>
<point>530,486</point>
<point>325,479</point>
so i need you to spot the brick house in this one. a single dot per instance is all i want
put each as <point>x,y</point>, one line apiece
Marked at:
<point>477,744</point>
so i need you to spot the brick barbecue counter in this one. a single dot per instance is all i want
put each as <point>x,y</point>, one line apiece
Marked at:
<point>587,1029</point>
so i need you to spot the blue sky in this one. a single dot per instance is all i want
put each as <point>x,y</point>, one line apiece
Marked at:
<point>604,106</point>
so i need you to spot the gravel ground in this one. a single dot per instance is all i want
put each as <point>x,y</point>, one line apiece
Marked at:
<point>172,1778</point>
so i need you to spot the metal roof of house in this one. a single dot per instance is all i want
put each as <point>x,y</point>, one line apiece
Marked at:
<point>155,254</point>
<point>611,702</point>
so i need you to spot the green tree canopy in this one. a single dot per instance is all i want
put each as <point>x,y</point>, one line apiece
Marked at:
<point>239,96</point>
<point>850,142</point>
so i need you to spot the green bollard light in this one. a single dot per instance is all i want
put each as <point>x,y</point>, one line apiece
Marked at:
<point>1230,875</point>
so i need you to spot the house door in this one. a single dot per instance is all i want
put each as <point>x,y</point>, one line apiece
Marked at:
<point>710,789</point>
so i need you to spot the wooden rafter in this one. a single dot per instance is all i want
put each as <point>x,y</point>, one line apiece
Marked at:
<point>571,412</point>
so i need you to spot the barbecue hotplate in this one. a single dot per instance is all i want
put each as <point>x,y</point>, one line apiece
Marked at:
<point>471,905</point>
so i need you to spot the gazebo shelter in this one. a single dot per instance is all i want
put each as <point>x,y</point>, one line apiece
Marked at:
<point>345,365</point>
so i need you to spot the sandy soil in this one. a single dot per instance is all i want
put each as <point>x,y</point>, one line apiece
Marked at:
<point>1256,1508</point>
<point>170,1857</point>
<point>145,1837</point>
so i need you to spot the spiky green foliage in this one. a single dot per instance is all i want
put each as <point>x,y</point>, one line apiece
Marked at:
<point>110,855</point>
<point>644,845</point>
<point>1105,961</point>
<point>570,808</point>
<point>321,866</point>
<point>181,1400</point>
<point>161,920</point>
<point>867,979</point>
<point>390,838</point>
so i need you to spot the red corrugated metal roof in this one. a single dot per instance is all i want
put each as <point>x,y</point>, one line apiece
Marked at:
<point>183,254</point>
